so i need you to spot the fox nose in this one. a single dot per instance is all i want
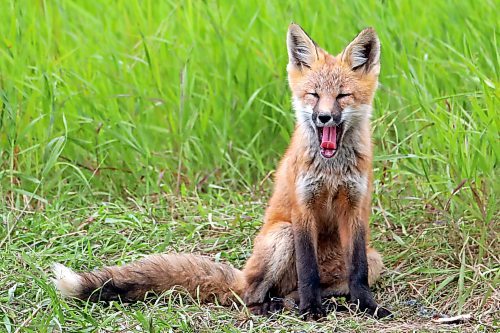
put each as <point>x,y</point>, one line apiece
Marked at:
<point>324,118</point>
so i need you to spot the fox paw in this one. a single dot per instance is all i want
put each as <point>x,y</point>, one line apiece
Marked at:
<point>364,303</point>
<point>375,311</point>
<point>312,311</point>
<point>382,313</point>
<point>266,308</point>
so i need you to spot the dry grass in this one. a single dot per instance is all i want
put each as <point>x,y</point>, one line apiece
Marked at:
<point>425,276</point>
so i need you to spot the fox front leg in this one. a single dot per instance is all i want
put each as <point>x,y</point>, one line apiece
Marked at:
<point>307,268</point>
<point>359,290</point>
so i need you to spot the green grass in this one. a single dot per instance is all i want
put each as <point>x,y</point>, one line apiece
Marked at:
<point>135,127</point>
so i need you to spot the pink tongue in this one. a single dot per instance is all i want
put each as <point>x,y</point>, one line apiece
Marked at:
<point>329,139</point>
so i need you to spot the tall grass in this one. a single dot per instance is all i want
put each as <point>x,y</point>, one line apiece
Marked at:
<point>190,90</point>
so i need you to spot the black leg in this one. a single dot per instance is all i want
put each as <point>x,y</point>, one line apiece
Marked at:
<point>359,290</point>
<point>308,275</point>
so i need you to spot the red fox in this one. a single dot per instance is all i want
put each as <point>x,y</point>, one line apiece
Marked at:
<point>314,241</point>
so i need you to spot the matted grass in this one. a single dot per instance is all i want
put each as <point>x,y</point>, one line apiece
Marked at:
<point>135,127</point>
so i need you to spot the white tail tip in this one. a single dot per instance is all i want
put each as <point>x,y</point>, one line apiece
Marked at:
<point>66,281</point>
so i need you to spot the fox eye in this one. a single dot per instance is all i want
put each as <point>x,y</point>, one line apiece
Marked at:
<point>340,96</point>
<point>313,94</point>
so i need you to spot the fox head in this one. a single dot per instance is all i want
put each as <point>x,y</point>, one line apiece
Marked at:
<point>332,95</point>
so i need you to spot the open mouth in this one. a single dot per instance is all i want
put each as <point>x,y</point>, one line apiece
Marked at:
<point>329,140</point>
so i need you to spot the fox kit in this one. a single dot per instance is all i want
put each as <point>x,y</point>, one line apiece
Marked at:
<point>314,241</point>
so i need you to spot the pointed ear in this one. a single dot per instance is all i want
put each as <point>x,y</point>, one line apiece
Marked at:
<point>363,53</point>
<point>302,50</point>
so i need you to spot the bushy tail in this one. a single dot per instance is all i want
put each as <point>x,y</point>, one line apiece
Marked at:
<point>198,275</point>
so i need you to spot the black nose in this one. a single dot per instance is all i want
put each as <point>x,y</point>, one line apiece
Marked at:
<point>324,118</point>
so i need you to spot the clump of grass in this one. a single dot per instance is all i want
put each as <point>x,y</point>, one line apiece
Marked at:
<point>140,126</point>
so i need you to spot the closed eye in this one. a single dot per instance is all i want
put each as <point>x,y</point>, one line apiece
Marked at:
<point>313,94</point>
<point>340,96</point>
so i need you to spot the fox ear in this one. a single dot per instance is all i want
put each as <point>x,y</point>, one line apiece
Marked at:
<point>363,53</point>
<point>302,50</point>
